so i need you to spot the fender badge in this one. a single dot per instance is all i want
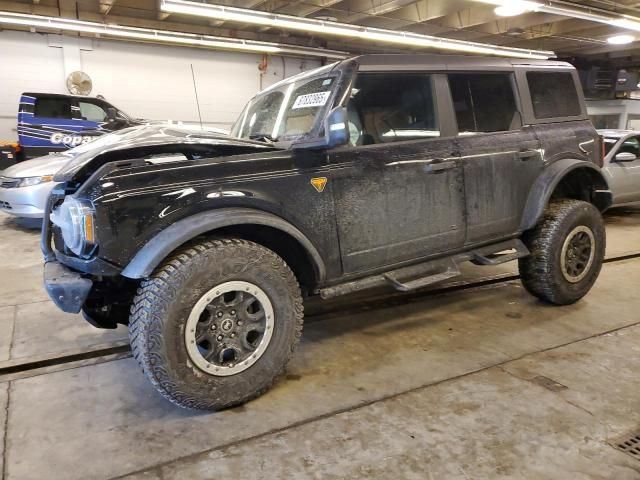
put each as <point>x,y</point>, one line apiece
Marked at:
<point>319,183</point>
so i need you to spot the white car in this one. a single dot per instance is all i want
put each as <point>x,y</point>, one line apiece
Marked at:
<point>622,164</point>
<point>24,187</point>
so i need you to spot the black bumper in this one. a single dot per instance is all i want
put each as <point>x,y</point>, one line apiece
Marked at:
<point>67,289</point>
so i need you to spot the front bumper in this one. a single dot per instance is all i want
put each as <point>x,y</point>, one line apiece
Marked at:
<point>67,289</point>
<point>28,202</point>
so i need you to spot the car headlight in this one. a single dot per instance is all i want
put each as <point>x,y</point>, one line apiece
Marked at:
<point>30,181</point>
<point>75,220</point>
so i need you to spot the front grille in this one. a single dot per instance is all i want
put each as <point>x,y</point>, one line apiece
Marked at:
<point>8,182</point>
<point>5,205</point>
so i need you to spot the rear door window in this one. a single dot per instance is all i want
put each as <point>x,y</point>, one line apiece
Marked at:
<point>553,94</point>
<point>52,107</point>
<point>484,102</point>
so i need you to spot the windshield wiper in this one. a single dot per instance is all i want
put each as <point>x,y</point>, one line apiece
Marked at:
<point>262,137</point>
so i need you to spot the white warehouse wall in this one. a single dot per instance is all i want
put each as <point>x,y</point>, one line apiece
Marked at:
<point>28,63</point>
<point>144,80</point>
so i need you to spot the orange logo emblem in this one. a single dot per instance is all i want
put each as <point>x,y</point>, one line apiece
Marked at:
<point>319,183</point>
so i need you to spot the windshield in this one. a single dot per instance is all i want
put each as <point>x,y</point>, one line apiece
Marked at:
<point>609,143</point>
<point>288,111</point>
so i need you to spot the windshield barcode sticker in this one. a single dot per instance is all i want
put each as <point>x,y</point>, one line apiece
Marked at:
<point>311,100</point>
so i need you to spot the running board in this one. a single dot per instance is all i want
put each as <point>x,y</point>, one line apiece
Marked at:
<point>413,277</point>
<point>450,272</point>
<point>491,256</point>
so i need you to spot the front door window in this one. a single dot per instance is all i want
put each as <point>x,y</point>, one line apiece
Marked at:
<point>385,109</point>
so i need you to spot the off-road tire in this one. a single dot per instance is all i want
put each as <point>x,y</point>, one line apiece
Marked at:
<point>164,301</point>
<point>541,271</point>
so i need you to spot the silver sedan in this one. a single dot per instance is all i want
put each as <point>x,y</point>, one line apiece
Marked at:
<point>622,164</point>
<point>24,187</point>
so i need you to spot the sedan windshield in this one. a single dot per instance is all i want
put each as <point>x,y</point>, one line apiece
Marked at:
<point>609,143</point>
<point>288,111</point>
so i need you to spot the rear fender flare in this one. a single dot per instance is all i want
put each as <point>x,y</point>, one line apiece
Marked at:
<point>180,232</point>
<point>548,181</point>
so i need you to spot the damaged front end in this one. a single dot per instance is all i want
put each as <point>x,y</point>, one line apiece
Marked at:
<point>75,284</point>
<point>78,275</point>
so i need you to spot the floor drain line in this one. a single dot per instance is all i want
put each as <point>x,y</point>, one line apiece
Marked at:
<point>629,444</point>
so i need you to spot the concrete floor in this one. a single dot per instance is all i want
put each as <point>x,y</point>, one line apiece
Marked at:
<point>487,383</point>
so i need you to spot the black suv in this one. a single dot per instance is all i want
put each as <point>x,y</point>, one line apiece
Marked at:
<point>382,169</point>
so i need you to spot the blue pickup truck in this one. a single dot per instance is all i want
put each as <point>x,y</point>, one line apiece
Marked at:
<point>50,122</point>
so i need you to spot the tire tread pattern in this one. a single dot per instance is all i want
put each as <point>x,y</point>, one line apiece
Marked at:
<point>150,308</point>
<point>539,271</point>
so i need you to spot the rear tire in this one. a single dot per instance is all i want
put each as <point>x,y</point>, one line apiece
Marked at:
<point>567,250</point>
<point>215,325</point>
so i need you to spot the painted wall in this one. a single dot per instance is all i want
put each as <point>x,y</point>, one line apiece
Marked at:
<point>626,111</point>
<point>147,81</point>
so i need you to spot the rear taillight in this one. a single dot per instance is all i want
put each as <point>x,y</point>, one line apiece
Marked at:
<point>602,151</point>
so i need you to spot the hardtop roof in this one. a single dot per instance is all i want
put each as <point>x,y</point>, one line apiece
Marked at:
<point>446,62</point>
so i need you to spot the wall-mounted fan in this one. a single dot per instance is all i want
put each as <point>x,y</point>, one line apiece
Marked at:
<point>79,83</point>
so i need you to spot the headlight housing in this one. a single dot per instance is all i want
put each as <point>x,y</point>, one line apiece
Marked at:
<point>30,181</point>
<point>75,220</point>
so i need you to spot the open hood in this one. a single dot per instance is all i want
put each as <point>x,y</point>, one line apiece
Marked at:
<point>153,139</point>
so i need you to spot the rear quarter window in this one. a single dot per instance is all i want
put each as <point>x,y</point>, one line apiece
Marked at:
<point>553,94</point>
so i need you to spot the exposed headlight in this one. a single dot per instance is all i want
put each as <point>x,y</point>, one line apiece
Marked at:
<point>75,220</point>
<point>30,181</point>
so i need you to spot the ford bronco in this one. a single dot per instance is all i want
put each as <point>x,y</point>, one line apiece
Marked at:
<point>376,170</point>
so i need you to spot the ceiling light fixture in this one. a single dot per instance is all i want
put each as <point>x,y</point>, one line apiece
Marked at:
<point>288,22</point>
<point>625,21</point>
<point>620,39</point>
<point>162,36</point>
<point>510,10</point>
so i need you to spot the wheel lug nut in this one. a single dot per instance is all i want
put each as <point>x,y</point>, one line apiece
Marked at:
<point>233,312</point>
<point>220,338</point>
<point>239,322</point>
<point>213,327</point>
<point>219,314</point>
<point>233,335</point>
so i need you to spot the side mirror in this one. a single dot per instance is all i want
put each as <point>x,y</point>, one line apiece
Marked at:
<point>625,157</point>
<point>336,132</point>
<point>337,127</point>
<point>112,114</point>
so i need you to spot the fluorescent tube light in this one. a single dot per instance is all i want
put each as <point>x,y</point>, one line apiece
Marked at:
<point>288,22</point>
<point>620,39</point>
<point>625,21</point>
<point>162,36</point>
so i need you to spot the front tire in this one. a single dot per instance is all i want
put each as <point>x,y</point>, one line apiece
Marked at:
<point>216,324</point>
<point>567,250</point>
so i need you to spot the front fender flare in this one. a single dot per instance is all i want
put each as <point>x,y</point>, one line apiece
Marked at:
<point>545,185</point>
<point>180,232</point>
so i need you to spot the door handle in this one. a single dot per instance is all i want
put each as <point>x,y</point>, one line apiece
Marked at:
<point>527,154</point>
<point>439,166</point>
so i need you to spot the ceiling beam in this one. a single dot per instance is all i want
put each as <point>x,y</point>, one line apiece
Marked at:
<point>408,12</point>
